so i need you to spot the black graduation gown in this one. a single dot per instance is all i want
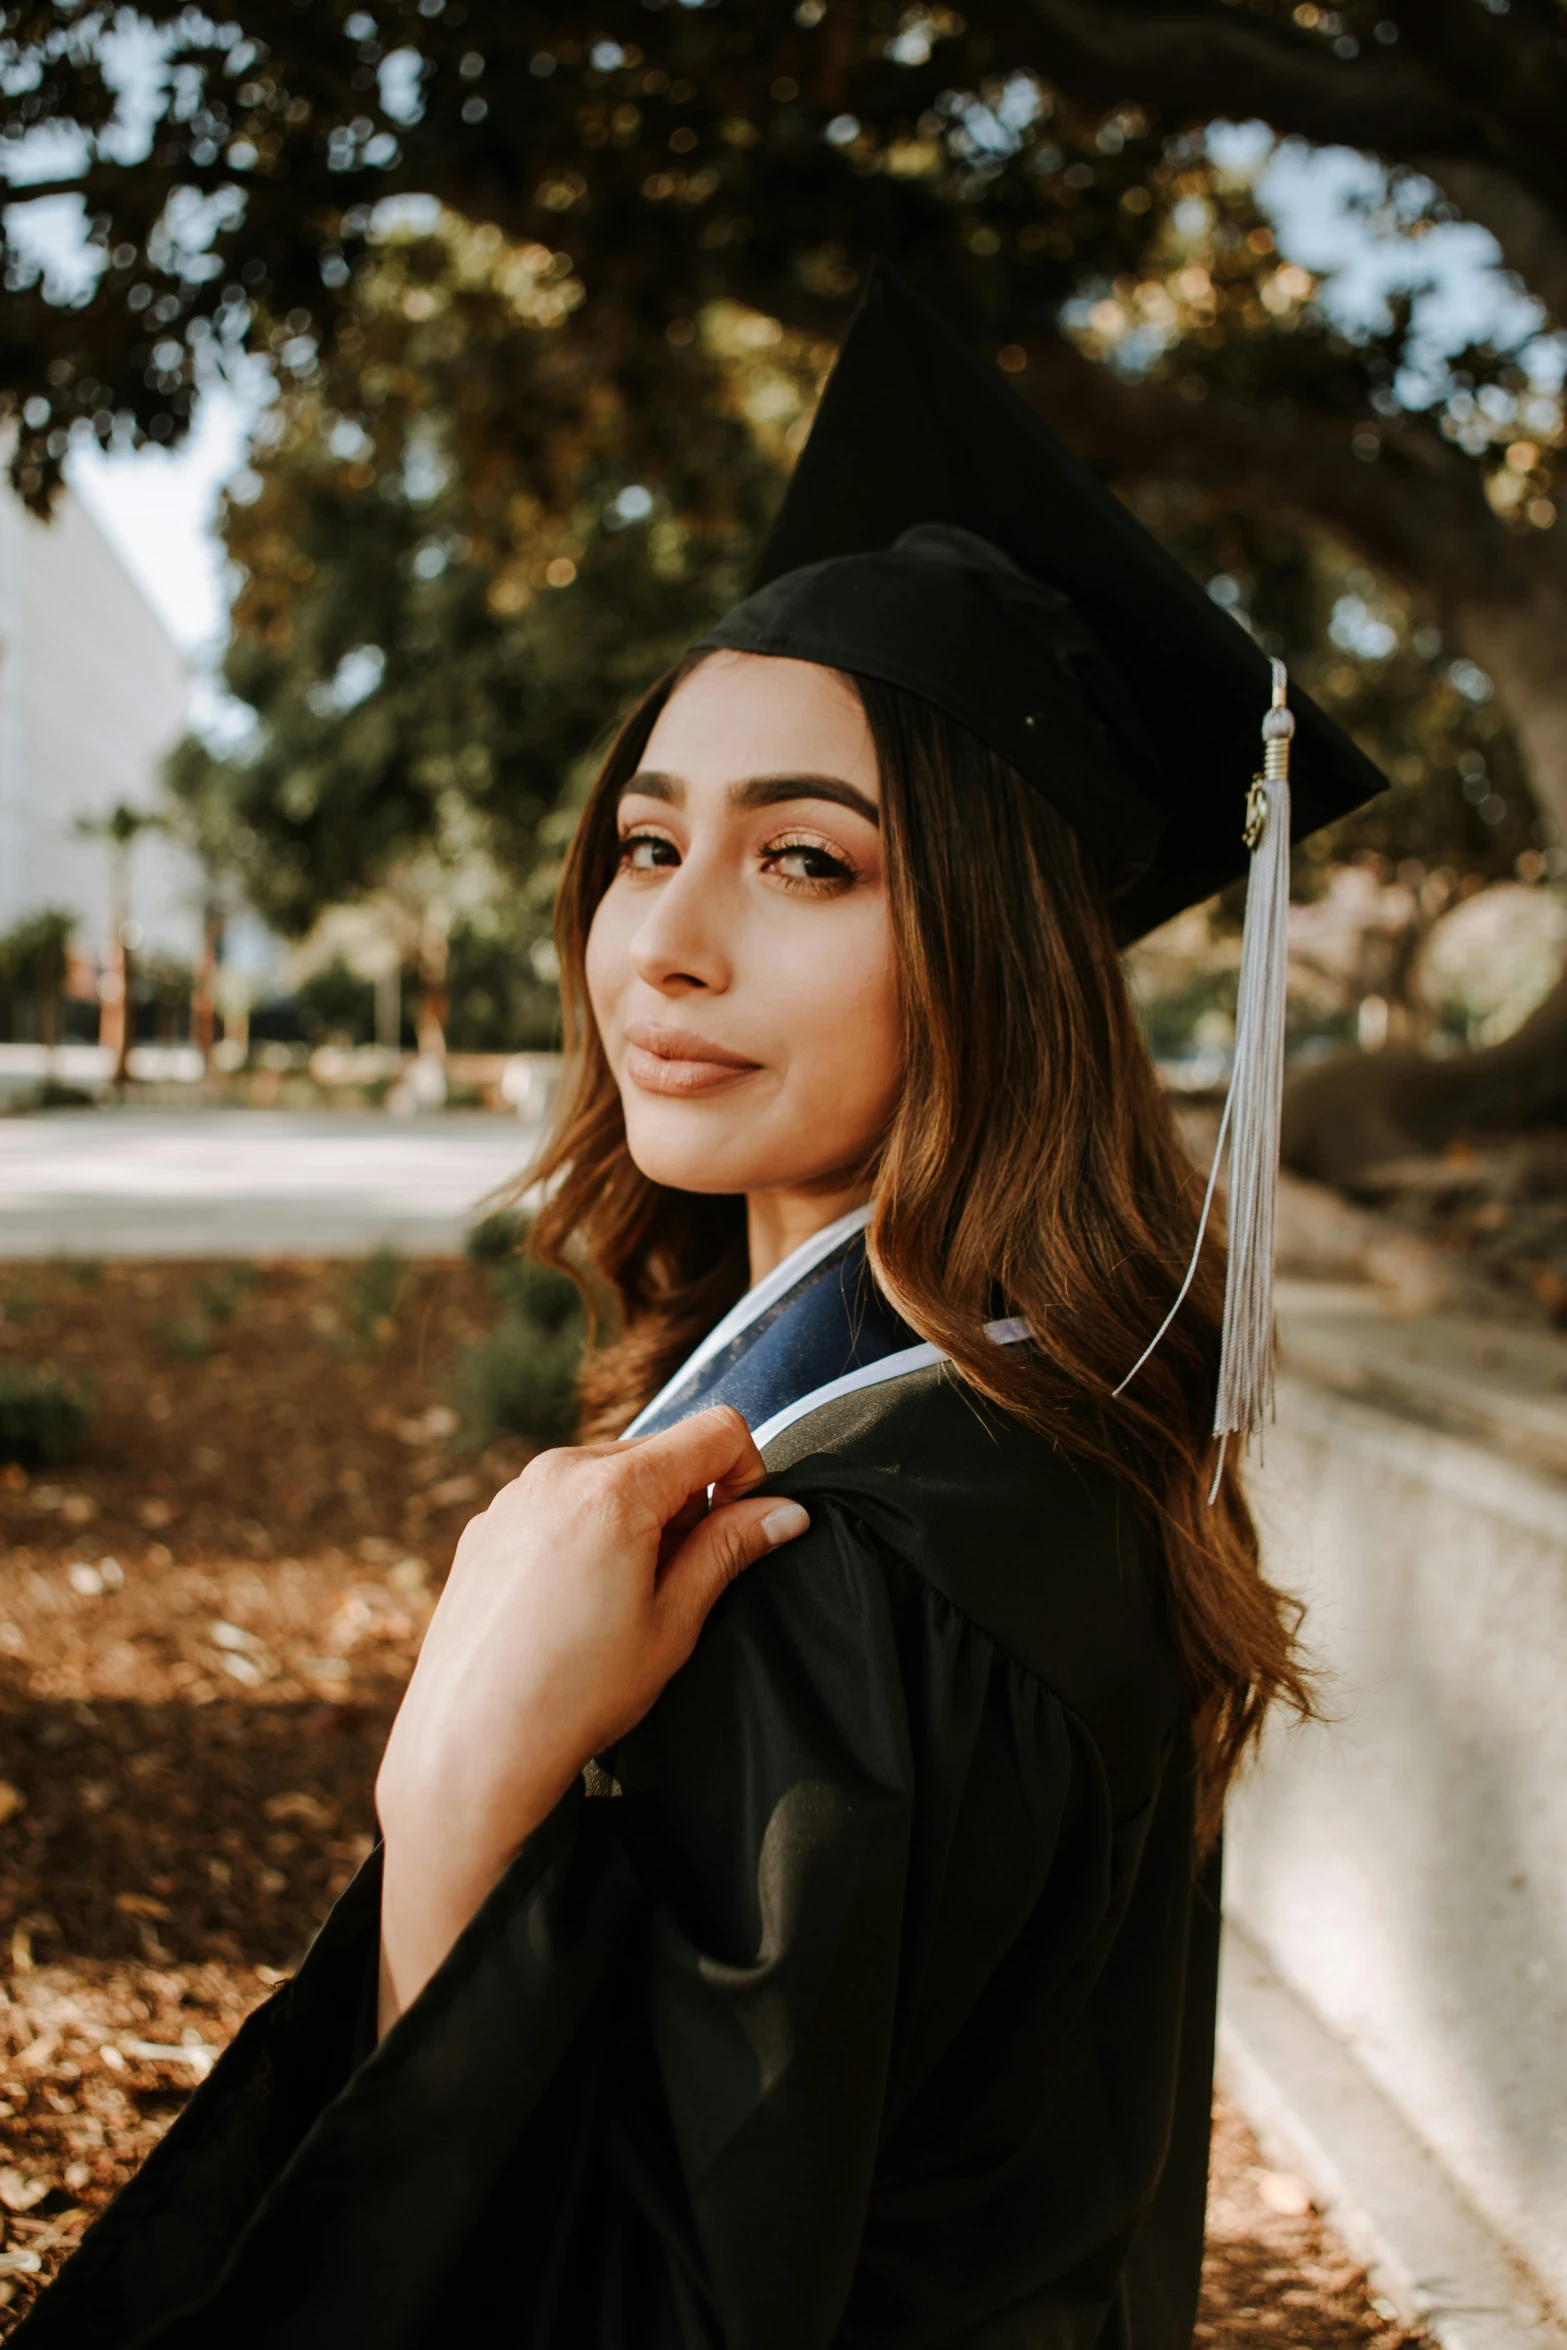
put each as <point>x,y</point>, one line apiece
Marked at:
<point>864,1998</point>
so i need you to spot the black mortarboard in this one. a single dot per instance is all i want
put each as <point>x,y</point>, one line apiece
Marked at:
<point>936,535</point>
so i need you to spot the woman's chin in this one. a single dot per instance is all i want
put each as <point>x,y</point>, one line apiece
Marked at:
<point>688,1170</point>
<point>693,1146</point>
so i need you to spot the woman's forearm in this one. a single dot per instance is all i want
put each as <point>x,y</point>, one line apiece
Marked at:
<point>438,1867</point>
<point>422,1915</point>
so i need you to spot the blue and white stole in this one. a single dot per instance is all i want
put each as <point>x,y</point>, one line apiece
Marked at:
<point>814,1329</point>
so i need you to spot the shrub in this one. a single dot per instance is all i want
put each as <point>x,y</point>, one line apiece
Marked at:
<point>497,1236</point>
<point>521,1375</point>
<point>43,1417</point>
<point>374,1290</point>
<point>522,1379</point>
<point>192,1335</point>
<point>187,1339</point>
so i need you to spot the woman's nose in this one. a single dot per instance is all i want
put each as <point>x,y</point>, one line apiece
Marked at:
<point>679,947</point>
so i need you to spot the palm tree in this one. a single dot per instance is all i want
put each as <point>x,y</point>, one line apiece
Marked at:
<point>120,829</point>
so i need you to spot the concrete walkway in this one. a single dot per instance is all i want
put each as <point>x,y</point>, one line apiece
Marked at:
<point>248,1183</point>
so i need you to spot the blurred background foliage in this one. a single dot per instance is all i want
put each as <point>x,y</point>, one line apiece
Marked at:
<point>520,1377</point>
<point>544,300</point>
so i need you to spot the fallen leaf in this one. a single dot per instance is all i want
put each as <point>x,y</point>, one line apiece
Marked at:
<point>296,1804</point>
<point>194,2053</point>
<point>59,2229</point>
<point>20,2264</point>
<point>78,1509</point>
<point>12,1800</point>
<point>141,1905</point>
<point>85,1580</point>
<point>325,1668</point>
<point>452,1489</point>
<point>234,1638</point>
<point>350,1617</point>
<point>19,2193</point>
<point>1282,2192</point>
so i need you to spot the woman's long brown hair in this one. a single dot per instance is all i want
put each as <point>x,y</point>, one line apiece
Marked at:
<point>1032,1168</point>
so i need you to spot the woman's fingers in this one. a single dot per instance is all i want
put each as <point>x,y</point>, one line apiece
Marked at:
<point>690,1513</point>
<point>727,1541</point>
<point>713,1448</point>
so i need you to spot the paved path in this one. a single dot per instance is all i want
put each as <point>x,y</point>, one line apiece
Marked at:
<point>247,1183</point>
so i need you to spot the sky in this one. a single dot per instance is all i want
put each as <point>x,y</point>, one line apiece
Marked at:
<point>158,506</point>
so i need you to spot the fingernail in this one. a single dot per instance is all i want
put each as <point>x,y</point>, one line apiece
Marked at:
<point>785,1522</point>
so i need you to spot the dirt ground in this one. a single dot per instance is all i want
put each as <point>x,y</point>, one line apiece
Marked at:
<point>205,1625</point>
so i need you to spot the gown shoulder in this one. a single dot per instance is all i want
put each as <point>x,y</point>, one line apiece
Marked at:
<point>1048,1552</point>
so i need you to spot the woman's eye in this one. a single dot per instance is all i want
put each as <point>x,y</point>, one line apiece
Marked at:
<point>807,861</point>
<point>645,852</point>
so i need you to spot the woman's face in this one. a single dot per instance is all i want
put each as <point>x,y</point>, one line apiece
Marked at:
<point>740,965</point>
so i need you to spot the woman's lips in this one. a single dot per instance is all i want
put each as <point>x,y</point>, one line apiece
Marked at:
<point>679,1061</point>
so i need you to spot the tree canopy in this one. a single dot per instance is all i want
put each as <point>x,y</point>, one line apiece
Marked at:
<point>416,511</point>
<point>1038,165</point>
<point>1018,161</point>
<point>1045,169</point>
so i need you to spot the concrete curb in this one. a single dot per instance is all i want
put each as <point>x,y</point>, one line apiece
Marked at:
<point>1313,2111</point>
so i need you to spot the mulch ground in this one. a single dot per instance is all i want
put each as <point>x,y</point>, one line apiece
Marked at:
<point>206,1622</point>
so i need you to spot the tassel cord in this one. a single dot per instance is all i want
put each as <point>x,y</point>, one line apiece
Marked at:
<point>1253,1109</point>
<point>1202,1233</point>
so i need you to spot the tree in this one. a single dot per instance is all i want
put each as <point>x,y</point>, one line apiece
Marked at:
<point>120,829</point>
<point>450,574</point>
<point>1039,167</point>
<point>34,961</point>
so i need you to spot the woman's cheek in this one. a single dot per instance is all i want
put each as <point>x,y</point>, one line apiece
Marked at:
<point>606,966</point>
<point>846,1025</point>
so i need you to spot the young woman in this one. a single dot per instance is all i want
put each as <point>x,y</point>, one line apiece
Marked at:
<point>789,1928</point>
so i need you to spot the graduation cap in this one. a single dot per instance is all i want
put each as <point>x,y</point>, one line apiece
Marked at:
<point>936,535</point>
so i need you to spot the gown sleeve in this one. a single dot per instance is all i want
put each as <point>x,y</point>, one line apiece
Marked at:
<point>764,2050</point>
<point>640,2102</point>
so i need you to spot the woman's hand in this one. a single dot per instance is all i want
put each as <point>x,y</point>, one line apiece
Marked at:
<point>570,1603</point>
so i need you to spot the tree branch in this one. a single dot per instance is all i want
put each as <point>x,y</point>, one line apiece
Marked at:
<point>1201,60</point>
<point>1471,102</point>
<point>30,191</point>
<point>1419,511</point>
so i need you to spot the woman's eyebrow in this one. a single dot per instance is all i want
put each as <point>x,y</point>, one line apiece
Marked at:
<point>651,785</point>
<point>758,791</point>
<point>770,791</point>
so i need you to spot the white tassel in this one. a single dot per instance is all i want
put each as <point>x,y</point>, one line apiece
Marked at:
<point>1252,1106</point>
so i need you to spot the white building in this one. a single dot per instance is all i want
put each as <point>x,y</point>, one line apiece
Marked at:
<point>92,696</point>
